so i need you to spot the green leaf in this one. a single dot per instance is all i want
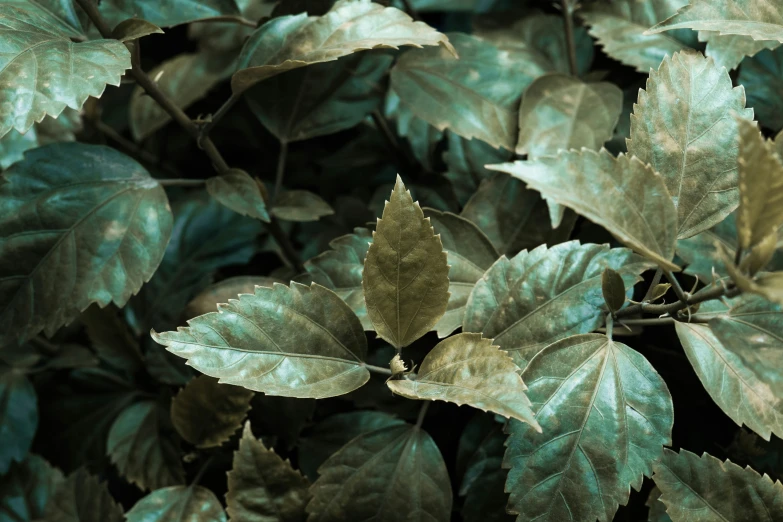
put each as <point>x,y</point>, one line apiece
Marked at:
<point>545,295</point>
<point>13,146</point>
<point>702,252</point>
<point>613,289</point>
<point>340,270</point>
<point>618,419</point>
<point>82,498</point>
<point>715,491</point>
<point>178,504</point>
<point>755,18</point>
<point>469,254</point>
<point>320,99</point>
<point>289,42</point>
<point>394,473</point>
<point>27,488</point>
<point>18,417</point>
<point>61,13</point>
<point>729,50</point>
<point>42,71</point>
<point>300,205</point>
<point>762,78</point>
<point>297,342</point>
<point>133,29</point>
<point>769,285</point>
<point>620,25</point>
<point>207,413</point>
<point>185,79</point>
<point>166,13</point>
<point>621,194</point>
<point>657,508</point>
<point>262,487</point>
<point>221,292</point>
<point>683,126</point>
<point>422,137</point>
<point>111,338</point>
<point>405,278</point>
<point>476,95</point>
<point>141,445</point>
<point>466,369</point>
<point>238,191</point>
<point>81,224</point>
<point>281,419</point>
<point>465,160</point>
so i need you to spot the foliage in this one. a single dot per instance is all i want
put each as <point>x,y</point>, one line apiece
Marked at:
<point>391,260</point>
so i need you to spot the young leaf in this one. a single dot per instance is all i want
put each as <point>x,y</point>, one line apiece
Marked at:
<point>405,278</point>
<point>465,160</point>
<point>729,50</point>
<point>357,481</point>
<point>541,296</point>
<point>133,29</point>
<point>238,191</point>
<point>82,498</point>
<point>289,42</point>
<point>27,488</point>
<point>762,78</point>
<point>207,413</point>
<point>618,419</point>
<point>714,490</point>
<point>166,13</point>
<point>262,486</point>
<point>221,292</point>
<point>613,289</point>
<point>81,224</point>
<point>18,417</point>
<point>297,342</point>
<point>178,504</point>
<point>761,187</point>
<point>141,445</point>
<point>622,194</point>
<point>42,71</point>
<point>466,369</point>
<point>300,205</point>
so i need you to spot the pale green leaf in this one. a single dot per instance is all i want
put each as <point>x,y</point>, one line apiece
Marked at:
<point>81,497</point>
<point>166,13</point>
<point>239,192</point>
<point>298,342</point>
<point>27,488</point>
<point>683,125</point>
<point>207,300</point>
<point>466,369</point>
<point>81,224</point>
<point>405,278</point>
<point>18,417</point>
<point>469,254</point>
<point>178,504</point>
<point>64,14</point>
<point>262,487</point>
<point>13,146</point>
<point>465,160</point>
<point>729,50</point>
<point>613,289</point>
<point>42,72</point>
<point>293,41</point>
<point>545,295</point>
<point>622,194</point>
<point>207,413</point>
<point>300,205</point>
<point>133,29</point>
<point>49,130</point>
<point>142,446</point>
<point>704,489</point>
<point>357,482</point>
<point>762,78</point>
<point>619,417</point>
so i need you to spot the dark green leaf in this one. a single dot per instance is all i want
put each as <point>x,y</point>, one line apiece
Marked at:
<point>422,137</point>
<point>657,508</point>
<point>465,160</point>
<point>300,205</point>
<point>111,338</point>
<point>27,488</point>
<point>239,192</point>
<point>166,13</point>
<point>221,292</point>
<point>13,146</point>
<point>702,252</point>
<point>133,29</point>
<point>613,289</point>
<point>762,77</point>
<point>82,498</point>
<point>61,13</point>
<point>18,417</point>
<point>178,504</point>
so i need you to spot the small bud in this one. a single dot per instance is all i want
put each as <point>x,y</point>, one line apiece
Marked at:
<point>659,291</point>
<point>397,365</point>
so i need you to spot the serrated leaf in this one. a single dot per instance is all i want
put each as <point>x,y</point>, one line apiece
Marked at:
<point>469,254</point>
<point>714,490</point>
<point>82,498</point>
<point>262,487</point>
<point>293,41</point>
<point>657,509</point>
<point>769,285</point>
<point>81,224</point>
<point>18,417</point>
<point>141,445</point>
<point>300,205</point>
<point>729,50</point>
<point>545,295</point>
<point>27,488</point>
<point>297,342</point>
<point>466,369</point>
<point>238,191</point>
<point>111,338</point>
<point>207,413</point>
<point>133,29</point>
<point>759,19</point>
<point>475,96</point>
<point>590,454</point>
<point>42,72</point>
<point>355,482</point>
<point>761,76</point>
<point>622,194</point>
<point>683,126</point>
<point>207,300</point>
<point>613,289</point>
<point>405,278</point>
<point>61,13</point>
<point>166,13</point>
<point>465,160</point>
<point>178,504</point>
<point>702,252</point>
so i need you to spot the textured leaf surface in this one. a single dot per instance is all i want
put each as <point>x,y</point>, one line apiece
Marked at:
<point>293,41</point>
<point>166,13</point>
<point>466,369</point>
<point>262,487</point>
<point>606,415</point>
<point>221,292</point>
<point>300,205</point>
<point>405,278</point>
<point>63,14</point>
<point>622,194</point>
<point>298,342</point>
<point>82,498</point>
<point>238,191</point>
<point>178,504</point>
<point>729,50</point>
<point>683,125</point>
<point>42,72</point>
<point>133,29</point>
<point>18,417</point>
<point>207,413</point>
<point>356,482</point>
<point>80,224</point>
<point>702,252</point>
<point>542,296</point>
<point>705,489</point>
<point>27,488</point>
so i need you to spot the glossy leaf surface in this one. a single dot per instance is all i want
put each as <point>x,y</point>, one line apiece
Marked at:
<point>238,191</point>
<point>166,13</point>
<point>300,205</point>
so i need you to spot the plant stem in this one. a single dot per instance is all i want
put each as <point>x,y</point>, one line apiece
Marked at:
<point>130,147</point>
<point>181,182</point>
<point>45,344</point>
<point>201,471</point>
<point>655,280</point>
<point>422,413</point>
<point>222,111</point>
<point>568,18</point>
<point>410,10</point>
<point>281,159</point>
<point>378,369</point>
<point>609,326</point>
<point>649,322</point>
<point>705,294</point>
<point>231,18</point>
<point>679,292</point>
